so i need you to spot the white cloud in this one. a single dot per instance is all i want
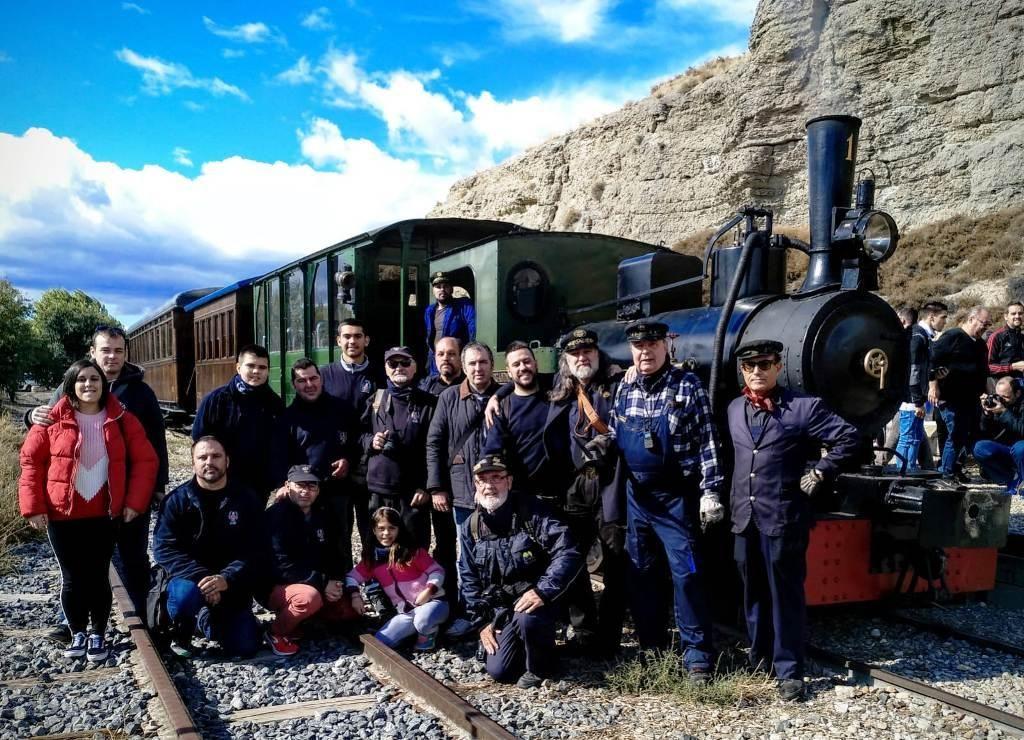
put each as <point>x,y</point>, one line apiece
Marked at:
<point>162,78</point>
<point>298,74</point>
<point>135,7</point>
<point>740,12</point>
<point>194,106</point>
<point>342,71</point>
<point>180,155</point>
<point>134,236</point>
<point>244,33</point>
<point>318,20</point>
<point>233,53</point>
<point>568,21</point>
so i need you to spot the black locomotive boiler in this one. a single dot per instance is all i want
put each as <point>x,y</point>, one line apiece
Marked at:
<point>877,532</point>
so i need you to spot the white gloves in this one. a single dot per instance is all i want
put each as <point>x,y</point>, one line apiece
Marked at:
<point>811,482</point>
<point>711,510</point>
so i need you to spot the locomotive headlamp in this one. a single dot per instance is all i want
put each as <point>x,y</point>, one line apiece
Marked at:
<point>345,279</point>
<point>875,230</point>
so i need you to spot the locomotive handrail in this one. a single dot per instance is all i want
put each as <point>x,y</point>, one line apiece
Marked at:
<point>635,296</point>
<point>718,235</point>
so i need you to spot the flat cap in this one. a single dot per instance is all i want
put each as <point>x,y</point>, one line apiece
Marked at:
<point>646,331</point>
<point>758,348</point>
<point>302,474</point>
<point>489,464</point>
<point>578,339</point>
<point>398,352</point>
<point>440,277</point>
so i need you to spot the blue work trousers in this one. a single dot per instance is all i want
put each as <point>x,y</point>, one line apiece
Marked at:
<point>657,530</point>
<point>773,571</point>
<point>959,418</point>
<point>1001,463</point>
<point>230,623</point>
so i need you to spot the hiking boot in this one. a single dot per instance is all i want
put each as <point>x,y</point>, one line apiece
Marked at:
<point>425,643</point>
<point>281,645</point>
<point>77,647</point>
<point>529,681</point>
<point>791,689</point>
<point>459,628</point>
<point>96,650</point>
<point>699,676</point>
<point>59,633</point>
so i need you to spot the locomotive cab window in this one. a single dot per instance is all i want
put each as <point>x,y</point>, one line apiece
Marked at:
<point>527,290</point>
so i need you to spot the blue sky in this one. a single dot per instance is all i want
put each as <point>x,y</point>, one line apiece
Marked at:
<point>149,147</point>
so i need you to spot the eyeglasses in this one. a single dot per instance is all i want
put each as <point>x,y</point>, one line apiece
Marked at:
<point>399,363</point>
<point>748,365</point>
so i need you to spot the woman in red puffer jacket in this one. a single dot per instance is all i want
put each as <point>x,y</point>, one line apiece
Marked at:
<point>90,469</point>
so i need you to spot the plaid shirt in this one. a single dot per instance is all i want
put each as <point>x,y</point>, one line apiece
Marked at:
<point>679,395</point>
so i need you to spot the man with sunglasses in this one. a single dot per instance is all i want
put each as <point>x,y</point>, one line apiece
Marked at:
<point>772,430</point>
<point>109,349</point>
<point>395,444</point>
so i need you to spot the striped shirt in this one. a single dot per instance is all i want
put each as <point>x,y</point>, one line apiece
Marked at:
<point>679,395</point>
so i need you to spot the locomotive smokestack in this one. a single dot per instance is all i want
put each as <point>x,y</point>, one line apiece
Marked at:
<point>831,159</point>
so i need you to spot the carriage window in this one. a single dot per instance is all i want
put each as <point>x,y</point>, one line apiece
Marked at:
<point>261,316</point>
<point>230,334</point>
<point>321,317</point>
<point>293,300</point>
<point>527,290</point>
<point>274,316</point>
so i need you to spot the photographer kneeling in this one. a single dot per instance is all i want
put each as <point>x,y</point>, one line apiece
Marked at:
<point>1001,454</point>
<point>516,559</point>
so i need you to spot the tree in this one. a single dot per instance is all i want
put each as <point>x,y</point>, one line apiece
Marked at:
<point>63,324</point>
<point>17,343</point>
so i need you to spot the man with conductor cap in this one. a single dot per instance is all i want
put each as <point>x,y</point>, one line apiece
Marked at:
<point>447,317</point>
<point>662,424</point>
<point>775,432</point>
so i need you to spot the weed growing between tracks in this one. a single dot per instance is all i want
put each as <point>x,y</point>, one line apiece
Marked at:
<point>12,525</point>
<point>663,673</point>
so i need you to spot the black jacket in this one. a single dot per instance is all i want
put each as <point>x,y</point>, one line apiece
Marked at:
<point>435,386</point>
<point>139,398</point>
<point>190,544</point>
<point>304,550</point>
<point>316,434</point>
<point>401,470</point>
<point>1006,428</point>
<point>1005,347</point>
<point>244,423</point>
<point>920,366</point>
<point>448,469</point>
<point>967,360</point>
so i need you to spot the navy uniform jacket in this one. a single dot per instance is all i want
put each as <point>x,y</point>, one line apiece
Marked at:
<point>304,550</point>
<point>314,433</point>
<point>767,470</point>
<point>191,543</point>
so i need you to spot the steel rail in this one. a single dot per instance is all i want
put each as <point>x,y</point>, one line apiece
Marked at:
<point>418,682</point>
<point>874,674</point>
<point>949,631</point>
<point>182,724</point>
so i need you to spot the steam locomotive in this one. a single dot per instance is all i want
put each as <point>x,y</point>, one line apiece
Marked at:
<point>877,532</point>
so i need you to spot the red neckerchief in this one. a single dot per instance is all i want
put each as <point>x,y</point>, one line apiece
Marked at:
<point>759,401</point>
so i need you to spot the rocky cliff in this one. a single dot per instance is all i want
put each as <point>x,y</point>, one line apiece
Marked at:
<point>939,85</point>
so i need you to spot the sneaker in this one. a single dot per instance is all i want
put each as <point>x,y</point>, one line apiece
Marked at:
<point>181,648</point>
<point>280,645</point>
<point>77,647</point>
<point>59,633</point>
<point>529,681</point>
<point>426,643</point>
<point>96,652</point>
<point>458,628</point>
<point>791,689</point>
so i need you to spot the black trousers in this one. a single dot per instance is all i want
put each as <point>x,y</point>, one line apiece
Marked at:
<point>336,494</point>
<point>131,558</point>
<point>445,536</point>
<point>83,548</point>
<point>416,518</point>
<point>359,509</point>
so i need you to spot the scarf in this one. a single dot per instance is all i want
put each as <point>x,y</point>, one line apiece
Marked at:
<point>761,402</point>
<point>402,393</point>
<point>244,388</point>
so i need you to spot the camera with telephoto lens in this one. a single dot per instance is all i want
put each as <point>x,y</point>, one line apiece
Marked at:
<point>378,601</point>
<point>991,401</point>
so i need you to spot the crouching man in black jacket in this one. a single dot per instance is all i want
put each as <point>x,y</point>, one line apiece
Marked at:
<point>1001,454</point>
<point>516,561</point>
<point>309,577</point>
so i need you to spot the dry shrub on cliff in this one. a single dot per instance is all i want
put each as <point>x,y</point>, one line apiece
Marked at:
<point>12,525</point>
<point>942,258</point>
<point>695,76</point>
<point>796,262</point>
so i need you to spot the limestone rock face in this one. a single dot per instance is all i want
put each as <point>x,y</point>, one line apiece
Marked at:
<point>938,84</point>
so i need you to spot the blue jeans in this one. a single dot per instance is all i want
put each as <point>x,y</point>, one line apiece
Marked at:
<point>423,620</point>
<point>1000,463</point>
<point>231,622</point>
<point>909,444</point>
<point>959,418</point>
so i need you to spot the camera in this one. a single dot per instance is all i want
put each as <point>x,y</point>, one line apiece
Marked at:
<point>374,596</point>
<point>991,401</point>
<point>389,444</point>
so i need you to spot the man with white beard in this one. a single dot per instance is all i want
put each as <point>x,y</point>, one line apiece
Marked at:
<point>517,561</point>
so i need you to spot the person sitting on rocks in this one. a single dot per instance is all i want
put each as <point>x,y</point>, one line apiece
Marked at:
<point>517,560</point>
<point>307,572</point>
<point>208,544</point>
<point>410,578</point>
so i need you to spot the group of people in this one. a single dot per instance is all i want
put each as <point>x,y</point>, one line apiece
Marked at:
<point>515,484</point>
<point>972,378</point>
